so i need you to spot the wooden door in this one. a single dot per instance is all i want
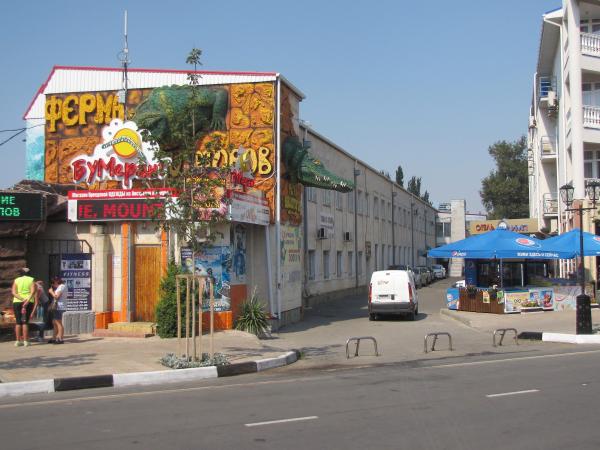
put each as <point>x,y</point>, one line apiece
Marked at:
<point>147,281</point>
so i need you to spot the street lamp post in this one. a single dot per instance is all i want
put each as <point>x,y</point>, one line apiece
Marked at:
<point>584,311</point>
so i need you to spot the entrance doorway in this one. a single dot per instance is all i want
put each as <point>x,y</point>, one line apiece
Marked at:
<point>147,271</point>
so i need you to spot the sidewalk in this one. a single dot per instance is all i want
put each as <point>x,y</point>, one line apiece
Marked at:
<point>85,355</point>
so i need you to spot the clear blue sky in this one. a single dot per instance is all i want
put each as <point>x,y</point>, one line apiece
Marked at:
<point>428,85</point>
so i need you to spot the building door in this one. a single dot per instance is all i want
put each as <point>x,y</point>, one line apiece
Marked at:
<point>147,281</point>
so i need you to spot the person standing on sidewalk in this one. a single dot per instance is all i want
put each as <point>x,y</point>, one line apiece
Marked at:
<point>44,305</point>
<point>58,293</point>
<point>24,305</point>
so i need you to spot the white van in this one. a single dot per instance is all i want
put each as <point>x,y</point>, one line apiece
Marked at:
<point>393,292</point>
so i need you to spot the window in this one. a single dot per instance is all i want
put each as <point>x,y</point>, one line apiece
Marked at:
<point>351,201</point>
<point>376,207</point>
<point>367,204</point>
<point>590,26</point>
<point>351,264</point>
<point>376,257</point>
<point>590,94</point>
<point>326,197</point>
<point>359,203</point>
<point>591,164</point>
<point>311,265</point>
<point>389,211</point>
<point>326,274</point>
<point>338,266</point>
<point>359,267</point>
<point>311,194</point>
<point>390,255</point>
<point>339,201</point>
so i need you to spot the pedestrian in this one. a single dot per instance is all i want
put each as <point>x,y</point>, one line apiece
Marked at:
<point>58,293</point>
<point>24,305</point>
<point>44,307</point>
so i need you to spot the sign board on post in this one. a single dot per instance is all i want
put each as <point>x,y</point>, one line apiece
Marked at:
<point>249,208</point>
<point>76,272</point>
<point>21,206</point>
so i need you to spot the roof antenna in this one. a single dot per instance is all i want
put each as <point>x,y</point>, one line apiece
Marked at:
<point>123,57</point>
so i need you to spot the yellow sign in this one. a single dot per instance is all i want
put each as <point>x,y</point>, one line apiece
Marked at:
<point>525,226</point>
<point>73,110</point>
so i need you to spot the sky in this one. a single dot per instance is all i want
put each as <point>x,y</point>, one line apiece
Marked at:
<point>425,85</point>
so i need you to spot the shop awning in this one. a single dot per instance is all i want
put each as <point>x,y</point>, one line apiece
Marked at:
<point>569,241</point>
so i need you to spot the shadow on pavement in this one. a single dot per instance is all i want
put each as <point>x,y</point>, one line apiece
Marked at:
<point>49,361</point>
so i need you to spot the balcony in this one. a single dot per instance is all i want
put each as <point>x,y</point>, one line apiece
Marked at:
<point>591,116</point>
<point>590,44</point>
<point>550,203</point>
<point>547,148</point>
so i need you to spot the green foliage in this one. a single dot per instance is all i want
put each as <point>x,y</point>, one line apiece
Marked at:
<point>505,191</point>
<point>166,309</point>
<point>181,362</point>
<point>414,186</point>
<point>400,176</point>
<point>253,317</point>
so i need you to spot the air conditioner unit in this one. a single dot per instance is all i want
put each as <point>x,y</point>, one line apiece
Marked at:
<point>532,123</point>
<point>551,98</point>
<point>321,233</point>
<point>347,236</point>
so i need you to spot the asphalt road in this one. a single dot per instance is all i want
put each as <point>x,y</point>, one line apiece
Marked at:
<point>521,402</point>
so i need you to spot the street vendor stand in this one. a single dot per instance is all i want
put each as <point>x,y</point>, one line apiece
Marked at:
<point>492,250</point>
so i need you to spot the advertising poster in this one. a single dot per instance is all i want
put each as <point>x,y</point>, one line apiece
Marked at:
<point>187,261</point>
<point>291,266</point>
<point>565,297</point>
<point>76,272</point>
<point>543,298</point>
<point>452,297</point>
<point>470,272</point>
<point>238,274</point>
<point>215,262</point>
<point>514,300</point>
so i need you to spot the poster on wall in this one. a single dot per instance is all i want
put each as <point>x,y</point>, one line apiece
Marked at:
<point>238,243</point>
<point>215,262</point>
<point>543,298</point>
<point>76,272</point>
<point>565,297</point>
<point>291,267</point>
<point>514,300</point>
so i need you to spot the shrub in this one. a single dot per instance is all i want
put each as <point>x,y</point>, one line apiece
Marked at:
<point>166,309</point>
<point>253,318</point>
<point>181,362</point>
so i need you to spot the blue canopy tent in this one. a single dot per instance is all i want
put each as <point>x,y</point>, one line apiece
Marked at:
<point>569,241</point>
<point>501,244</point>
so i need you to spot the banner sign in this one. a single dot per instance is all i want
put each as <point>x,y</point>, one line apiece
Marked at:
<point>526,226</point>
<point>249,208</point>
<point>116,205</point>
<point>21,206</point>
<point>514,300</point>
<point>76,272</point>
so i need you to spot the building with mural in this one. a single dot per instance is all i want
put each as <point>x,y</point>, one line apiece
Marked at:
<point>83,131</point>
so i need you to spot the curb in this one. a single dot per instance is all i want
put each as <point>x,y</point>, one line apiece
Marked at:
<point>571,338</point>
<point>120,380</point>
<point>448,313</point>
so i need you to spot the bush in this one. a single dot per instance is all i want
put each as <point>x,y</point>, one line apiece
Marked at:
<point>166,309</point>
<point>253,318</point>
<point>181,362</point>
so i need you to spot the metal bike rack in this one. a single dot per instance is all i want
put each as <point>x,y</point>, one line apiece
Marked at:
<point>502,332</point>
<point>435,338</point>
<point>357,339</point>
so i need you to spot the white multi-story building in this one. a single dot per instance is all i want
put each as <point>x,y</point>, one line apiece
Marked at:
<point>564,119</point>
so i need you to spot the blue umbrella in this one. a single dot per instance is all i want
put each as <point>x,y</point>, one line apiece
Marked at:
<point>570,241</point>
<point>501,244</point>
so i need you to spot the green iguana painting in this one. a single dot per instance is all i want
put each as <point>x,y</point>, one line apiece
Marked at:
<point>165,106</point>
<point>304,168</point>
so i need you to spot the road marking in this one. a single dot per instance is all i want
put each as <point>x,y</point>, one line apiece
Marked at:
<point>505,394</point>
<point>518,358</point>
<point>271,422</point>
<point>164,391</point>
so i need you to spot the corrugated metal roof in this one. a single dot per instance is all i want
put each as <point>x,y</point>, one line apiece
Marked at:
<point>88,79</point>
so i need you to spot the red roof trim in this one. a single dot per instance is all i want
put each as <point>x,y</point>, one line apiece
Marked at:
<point>119,69</point>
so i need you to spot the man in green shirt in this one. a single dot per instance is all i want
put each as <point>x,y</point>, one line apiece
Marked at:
<point>24,305</point>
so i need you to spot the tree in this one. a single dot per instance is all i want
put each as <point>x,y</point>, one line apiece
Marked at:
<point>505,191</point>
<point>425,198</point>
<point>400,176</point>
<point>188,153</point>
<point>414,186</point>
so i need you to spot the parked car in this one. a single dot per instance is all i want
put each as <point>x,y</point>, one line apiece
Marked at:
<point>439,271</point>
<point>393,292</point>
<point>425,280</point>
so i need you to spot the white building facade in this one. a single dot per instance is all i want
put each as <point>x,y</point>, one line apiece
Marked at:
<point>564,119</point>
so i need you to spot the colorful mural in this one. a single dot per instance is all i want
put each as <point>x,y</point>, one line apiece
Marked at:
<point>34,151</point>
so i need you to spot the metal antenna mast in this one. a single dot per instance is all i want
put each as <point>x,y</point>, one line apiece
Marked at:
<point>125,61</point>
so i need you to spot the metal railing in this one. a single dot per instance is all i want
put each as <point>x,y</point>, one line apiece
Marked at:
<point>591,116</point>
<point>435,338</point>
<point>357,340</point>
<point>590,44</point>
<point>502,333</point>
<point>547,146</point>
<point>550,202</point>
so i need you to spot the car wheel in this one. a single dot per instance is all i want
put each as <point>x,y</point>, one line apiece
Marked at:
<point>417,310</point>
<point>412,316</point>
<point>372,317</point>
